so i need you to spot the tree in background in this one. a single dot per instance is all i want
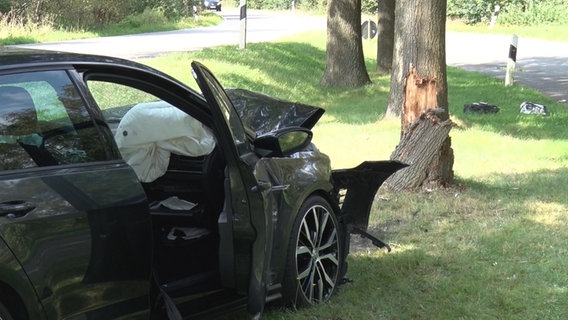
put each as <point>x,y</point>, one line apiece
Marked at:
<point>91,13</point>
<point>419,90</point>
<point>345,64</point>
<point>385,36</point>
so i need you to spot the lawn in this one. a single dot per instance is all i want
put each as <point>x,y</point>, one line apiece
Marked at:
<point>492,246</point>
<point>20,31</point>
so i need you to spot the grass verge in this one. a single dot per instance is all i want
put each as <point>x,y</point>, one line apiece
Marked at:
<point>17,31</point>
<point>551,32</point>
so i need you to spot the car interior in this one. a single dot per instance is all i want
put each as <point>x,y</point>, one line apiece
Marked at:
<point>185,203</point>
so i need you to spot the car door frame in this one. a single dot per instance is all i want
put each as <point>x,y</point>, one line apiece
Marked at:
<point>245,212</point>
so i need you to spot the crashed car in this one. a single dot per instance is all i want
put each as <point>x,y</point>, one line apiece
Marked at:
<point>126,194</point>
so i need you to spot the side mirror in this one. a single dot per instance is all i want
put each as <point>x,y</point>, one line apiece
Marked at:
<point>282,142</point>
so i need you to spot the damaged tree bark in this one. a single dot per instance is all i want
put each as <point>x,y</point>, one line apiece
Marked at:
<point>425,142</point>
<point>420,147</point>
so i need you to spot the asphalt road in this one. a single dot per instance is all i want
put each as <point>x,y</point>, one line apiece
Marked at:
<point>542,65</point>
<point>261,26</point>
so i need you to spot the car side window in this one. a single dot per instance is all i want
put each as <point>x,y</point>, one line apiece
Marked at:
<point>44,122</point>
<point>120,100</point>
<point>148,129</point>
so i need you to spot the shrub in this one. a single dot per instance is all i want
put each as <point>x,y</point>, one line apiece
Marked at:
<point>472,11</point>
<point>516,12</point>
<point>147,17</point>
<point>539,13</point>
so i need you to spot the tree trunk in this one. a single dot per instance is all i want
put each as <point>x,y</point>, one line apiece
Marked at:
<point>385,36</point>
<point>345,64</point>
<point>420,147</point>
<point>419,84</point>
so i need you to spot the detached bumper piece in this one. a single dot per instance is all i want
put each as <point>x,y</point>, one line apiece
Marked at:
<point>355,190</point>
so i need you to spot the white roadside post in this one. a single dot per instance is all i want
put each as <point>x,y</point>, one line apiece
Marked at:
<point>243,18</point>
<point>512,61</point>
<point>494,16</point>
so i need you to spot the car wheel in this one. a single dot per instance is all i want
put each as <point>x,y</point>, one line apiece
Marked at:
<point>314,255</point>
<point>4,314</point>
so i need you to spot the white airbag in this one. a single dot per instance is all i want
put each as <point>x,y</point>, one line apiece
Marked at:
<point>149,132</point>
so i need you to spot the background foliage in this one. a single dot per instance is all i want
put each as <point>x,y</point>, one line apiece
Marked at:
<point>512,12</point>
<point>91,13</point>
<point>96,13</point>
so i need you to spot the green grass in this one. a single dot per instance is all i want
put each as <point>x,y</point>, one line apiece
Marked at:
<point>552,32</point>
<point>14,31</point>
<point>492,246</point>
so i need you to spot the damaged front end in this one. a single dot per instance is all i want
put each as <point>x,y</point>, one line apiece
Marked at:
<point>355,190</point>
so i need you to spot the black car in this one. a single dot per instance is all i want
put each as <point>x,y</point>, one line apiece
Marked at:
<point>212,4</point>
<point>126,194</point>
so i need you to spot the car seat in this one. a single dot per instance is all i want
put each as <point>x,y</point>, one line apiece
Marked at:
<point>21,146</point>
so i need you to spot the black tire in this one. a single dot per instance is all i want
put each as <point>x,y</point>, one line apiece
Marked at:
<point>314,256</point>
<point>4,314</point>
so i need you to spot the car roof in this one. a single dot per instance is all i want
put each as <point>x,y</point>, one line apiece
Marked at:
<point>15,57</point>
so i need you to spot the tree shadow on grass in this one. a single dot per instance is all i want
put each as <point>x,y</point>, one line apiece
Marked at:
<point>479,264</point>
<point>485,281</point>
<point>547,186</point>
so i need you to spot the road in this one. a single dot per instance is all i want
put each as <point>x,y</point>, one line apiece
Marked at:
<point>542,65</point>
<point>261,26</point>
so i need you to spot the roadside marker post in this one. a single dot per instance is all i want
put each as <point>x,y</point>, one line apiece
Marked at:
<point>243,19</point>
<point>494,16</point>
<point>512,61</point>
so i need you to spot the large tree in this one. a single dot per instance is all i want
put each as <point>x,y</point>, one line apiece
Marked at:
<point>419,90</point>
<point>345,64</point>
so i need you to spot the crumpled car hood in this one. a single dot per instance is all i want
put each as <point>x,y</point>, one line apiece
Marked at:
<point>263,114</point>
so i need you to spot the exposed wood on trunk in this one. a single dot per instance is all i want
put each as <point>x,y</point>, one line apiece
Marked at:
<point>420,94</point>
<point>420,147</point>
<point>425,143</point>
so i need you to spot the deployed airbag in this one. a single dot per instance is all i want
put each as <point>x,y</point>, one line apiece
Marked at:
<point>149,132</point>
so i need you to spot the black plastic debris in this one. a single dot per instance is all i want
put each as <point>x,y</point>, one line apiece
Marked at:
<point>533,108</point>
<point>480,107</point>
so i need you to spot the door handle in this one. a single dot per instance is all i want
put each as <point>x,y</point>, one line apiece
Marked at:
<point>15,208</point>
<point>265,185</point>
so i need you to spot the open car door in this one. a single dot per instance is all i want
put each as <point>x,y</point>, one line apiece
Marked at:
<point>244,230</point>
